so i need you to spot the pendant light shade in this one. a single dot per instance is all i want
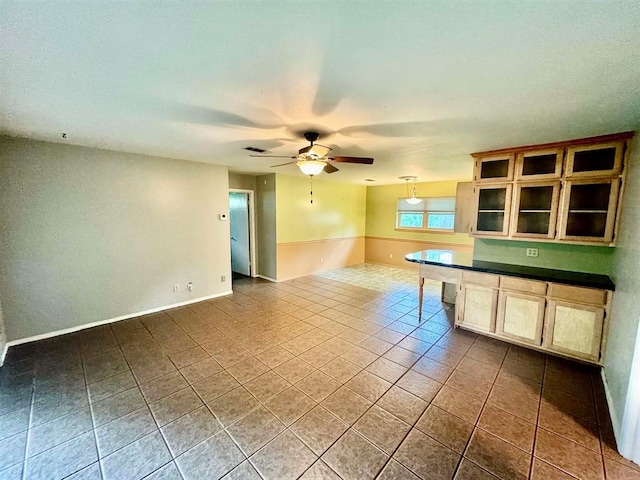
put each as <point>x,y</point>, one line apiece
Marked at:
<point>412,198</point>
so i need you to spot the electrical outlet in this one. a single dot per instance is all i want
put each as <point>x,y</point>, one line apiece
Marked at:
<point>223,278</point>
<point>190,286</point>
<point>321,260</point>
<point>391,255</point>
<point>532,252</point>
<point>176,288</point>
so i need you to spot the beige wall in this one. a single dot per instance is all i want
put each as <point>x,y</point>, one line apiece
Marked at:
<point>88,235</point>
<point>625,311</point>
<point>337,211</point>
<point>242,182</point>
<point>325,234</point>
<point>390,251</point>
<point>385,244</point>
<point>298,259</point>
<point>266,228</point>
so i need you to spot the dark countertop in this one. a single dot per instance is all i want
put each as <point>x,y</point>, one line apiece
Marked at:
<point>465,261</point>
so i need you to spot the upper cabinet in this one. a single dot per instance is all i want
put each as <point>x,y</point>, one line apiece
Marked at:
<point>494,168</point>
<point>601,159</point>
<point>560,192</point>
<point>539,164</point>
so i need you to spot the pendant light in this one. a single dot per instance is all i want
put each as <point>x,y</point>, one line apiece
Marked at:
<point>412,198</point>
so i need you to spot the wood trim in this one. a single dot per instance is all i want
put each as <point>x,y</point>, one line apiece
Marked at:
<point>439,245</point>
<point>322,240</point>
<point>565,144</point>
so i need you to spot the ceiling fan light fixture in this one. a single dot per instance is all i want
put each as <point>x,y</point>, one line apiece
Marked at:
<point>311,167</point>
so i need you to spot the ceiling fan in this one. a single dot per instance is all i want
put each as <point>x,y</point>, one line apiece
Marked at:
<point>313,159</point>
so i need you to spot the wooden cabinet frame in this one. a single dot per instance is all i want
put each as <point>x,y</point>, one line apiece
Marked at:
<point>553,212</point>
<point>520,158</point>
<point>565,153</point>
<point>610,212</point>
<point>507,209</point>
<point>596,341</point>
<point>480,161</point>
<point>548,296</point>
<point>463,290</point>
<point>539,320</point>
<point>617,163</point>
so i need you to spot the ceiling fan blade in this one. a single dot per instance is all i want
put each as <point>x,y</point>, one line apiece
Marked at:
<point>273,156</point>
<point>362,160</point>
<point>282,164</point>
<point>328,168</point>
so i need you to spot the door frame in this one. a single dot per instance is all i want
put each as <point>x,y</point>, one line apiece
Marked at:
<point>252,230</point>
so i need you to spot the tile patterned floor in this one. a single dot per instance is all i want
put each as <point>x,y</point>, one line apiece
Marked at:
<point>324,377</point>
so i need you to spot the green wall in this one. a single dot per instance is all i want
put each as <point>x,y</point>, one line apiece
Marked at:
<point>622,340</point>
<point>577,258</point>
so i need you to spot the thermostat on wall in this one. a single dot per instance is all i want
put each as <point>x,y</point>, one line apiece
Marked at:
<point>223,216</point>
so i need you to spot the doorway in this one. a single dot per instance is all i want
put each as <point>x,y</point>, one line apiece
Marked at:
<point>242,225</point>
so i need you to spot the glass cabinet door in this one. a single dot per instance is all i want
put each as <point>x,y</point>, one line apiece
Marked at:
<point>588,210</point>
<point>539,164</point>
<point>497,168</point>
<point>535,210</point>
<point>595,160</point>
<point>494,203</point>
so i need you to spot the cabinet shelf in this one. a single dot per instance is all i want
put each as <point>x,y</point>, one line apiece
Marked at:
<point>491,211</point>
<point>588,211</point>
<point>535,211</point>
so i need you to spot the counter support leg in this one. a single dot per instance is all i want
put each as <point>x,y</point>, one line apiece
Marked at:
<point>420,298</point>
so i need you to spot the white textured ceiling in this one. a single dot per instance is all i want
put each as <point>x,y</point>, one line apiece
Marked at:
<point>417,85</point>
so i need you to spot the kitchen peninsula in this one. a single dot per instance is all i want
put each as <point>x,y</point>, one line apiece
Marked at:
<point>554,311</point>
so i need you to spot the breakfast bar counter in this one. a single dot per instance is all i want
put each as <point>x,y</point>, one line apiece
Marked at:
<point>519,303</point>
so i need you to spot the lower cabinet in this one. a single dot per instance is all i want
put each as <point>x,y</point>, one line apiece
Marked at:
<point>574,329</point>
<point>477,307</point>
<point>521,317</point>
<point>561,319</point>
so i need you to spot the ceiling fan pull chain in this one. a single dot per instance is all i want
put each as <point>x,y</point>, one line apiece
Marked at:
<point>311,192</point>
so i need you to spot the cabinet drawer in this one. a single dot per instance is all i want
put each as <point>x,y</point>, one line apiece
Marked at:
<point>591,296</point>
<point>484,279</point>
<point>440,274</point>
<point>522,285</point>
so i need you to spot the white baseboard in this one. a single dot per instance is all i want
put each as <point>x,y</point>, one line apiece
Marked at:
<point>612,411</point>
<point>267,278</point>
<point>104,322</point>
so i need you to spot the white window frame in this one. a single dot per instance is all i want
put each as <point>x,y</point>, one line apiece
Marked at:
<point>428,206</point>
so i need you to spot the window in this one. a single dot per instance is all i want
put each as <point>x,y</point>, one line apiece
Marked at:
<point>433,213</point>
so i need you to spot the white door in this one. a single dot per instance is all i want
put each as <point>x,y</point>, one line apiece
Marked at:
<point>239,226</point>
